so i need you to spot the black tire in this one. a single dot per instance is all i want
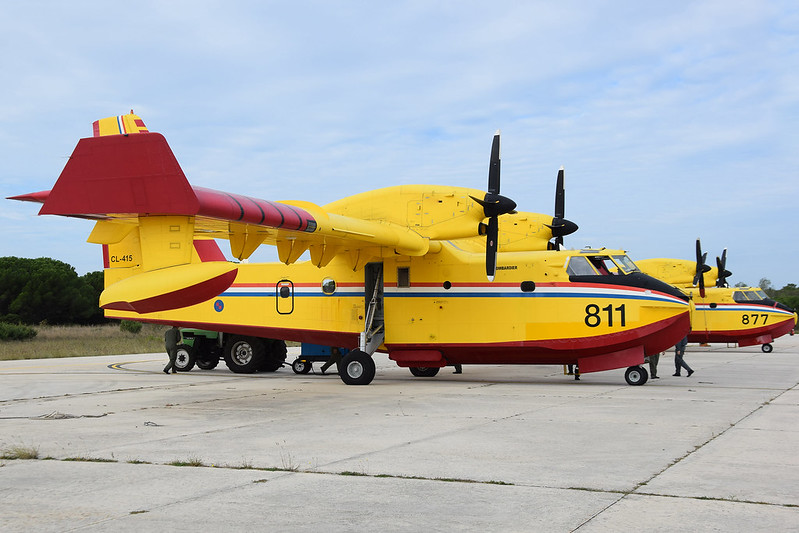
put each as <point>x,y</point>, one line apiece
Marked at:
<point>206,353</point>
<point>636,375</point>
<point>275,356</point>
<point>207,364</point>
<point>185,359</point>
<point>424,371</point>
<point>301,366</point>
<point>357,368</point>
<point>767,348</point>
<point>244,355</point>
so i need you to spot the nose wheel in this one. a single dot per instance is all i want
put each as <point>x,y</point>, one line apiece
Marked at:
<point>636,375</point>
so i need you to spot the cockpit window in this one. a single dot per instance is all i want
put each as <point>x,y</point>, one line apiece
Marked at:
<point>579,266</point>
<point>749,295</point>
<point>625,264</point>
<point>740,296</point>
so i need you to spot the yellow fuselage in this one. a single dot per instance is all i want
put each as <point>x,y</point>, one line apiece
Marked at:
<point>440,309</point>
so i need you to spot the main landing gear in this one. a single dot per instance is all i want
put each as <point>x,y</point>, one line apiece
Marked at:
<point>767,348</point>
<point>357,368</point>
<point>636,375</point>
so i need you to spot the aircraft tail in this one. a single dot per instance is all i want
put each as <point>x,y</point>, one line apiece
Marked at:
<point>127,179</point>
<point>151,259</point>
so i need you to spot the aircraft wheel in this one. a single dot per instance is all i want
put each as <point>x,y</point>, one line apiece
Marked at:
<point>243,355</point>
<point>185,359</point>
<point>424,371</point>
<point>767,348</point>
<point>357,368</point>
<point>636,375</point>
<point>299,366</point>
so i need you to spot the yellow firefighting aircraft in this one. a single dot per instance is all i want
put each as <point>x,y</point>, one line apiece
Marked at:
<point>401,270</point>
<point>742,315</point>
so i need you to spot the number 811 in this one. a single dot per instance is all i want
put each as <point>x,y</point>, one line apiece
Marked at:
<point>593,317</point>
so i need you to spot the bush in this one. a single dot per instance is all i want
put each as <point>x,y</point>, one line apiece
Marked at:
<point>130,326</point>
<point>15,332</point>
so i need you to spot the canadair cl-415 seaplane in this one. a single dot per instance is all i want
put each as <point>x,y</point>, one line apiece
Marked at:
<point>742,315</point>
<point>432,275</point>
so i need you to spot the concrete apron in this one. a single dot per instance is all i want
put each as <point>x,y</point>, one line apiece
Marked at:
<point>508,448</point>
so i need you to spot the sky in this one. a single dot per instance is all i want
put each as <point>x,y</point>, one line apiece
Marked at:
<point>674,120</point>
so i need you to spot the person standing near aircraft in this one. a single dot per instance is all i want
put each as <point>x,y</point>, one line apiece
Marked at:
<point>653,365</point>
<point>171,341</point>
<point>679,351</point>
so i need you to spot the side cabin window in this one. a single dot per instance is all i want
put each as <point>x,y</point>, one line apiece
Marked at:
<point>592,265</point>
<point>403,277</point>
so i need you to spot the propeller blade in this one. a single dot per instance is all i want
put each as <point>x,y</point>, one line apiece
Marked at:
<point>560,196</point>
<point>494,204</point>
<point>560,226</point>
<point>701,268</point>
<point>493,167</point>
<point>721,263</point>
<point>492,233</point>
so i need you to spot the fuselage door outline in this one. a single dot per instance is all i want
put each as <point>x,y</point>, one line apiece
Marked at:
<point>284,297</point>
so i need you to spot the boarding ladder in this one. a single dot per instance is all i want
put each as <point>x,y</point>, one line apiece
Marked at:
<point>374,329</point>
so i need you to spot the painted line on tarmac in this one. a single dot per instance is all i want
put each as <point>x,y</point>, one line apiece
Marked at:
<point>121,366</point>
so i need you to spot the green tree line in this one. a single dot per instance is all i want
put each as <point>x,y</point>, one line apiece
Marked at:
<point>43,290</point>
<point>788,295</point>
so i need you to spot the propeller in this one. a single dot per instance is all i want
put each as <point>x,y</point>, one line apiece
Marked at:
<point>560,226</point>
<point>721,263</point>
<point>493,205</point>
<point>701,268</point>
